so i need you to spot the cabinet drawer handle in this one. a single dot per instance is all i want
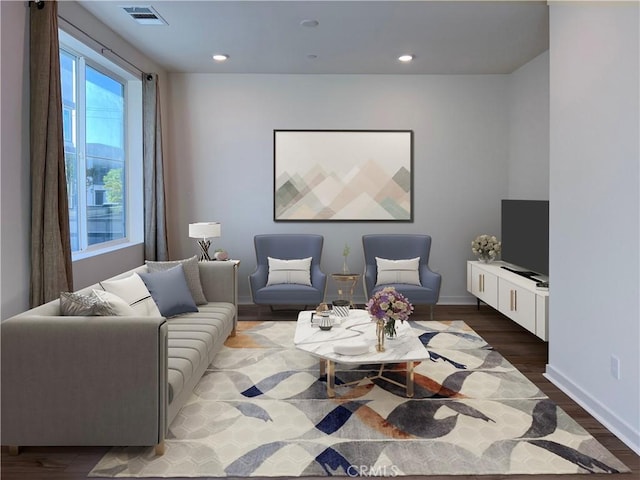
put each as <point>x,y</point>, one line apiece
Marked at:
<point>515,300</point>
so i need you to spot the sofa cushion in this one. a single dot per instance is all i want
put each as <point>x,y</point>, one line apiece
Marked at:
<point>77,304</point>
<point>193,341</point>
<point>296,271</point>
<point>398,271</point>
<point>191,273</point>
<point>133,291</point>
<point>117,304</point>
<point>170,291</point>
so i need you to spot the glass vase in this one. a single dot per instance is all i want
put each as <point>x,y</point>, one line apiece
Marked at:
<point>345,267</point>
<point>380,335</point>
<point>486,258</point>
<point>390,329</point>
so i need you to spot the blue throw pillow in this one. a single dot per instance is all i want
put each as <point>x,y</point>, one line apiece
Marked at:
<point>170,291</point>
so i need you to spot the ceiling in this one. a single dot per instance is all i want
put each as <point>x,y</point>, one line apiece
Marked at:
<point>352,37</point>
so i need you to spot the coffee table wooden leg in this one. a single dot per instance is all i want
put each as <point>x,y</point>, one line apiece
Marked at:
<point>323,367</point>
<point>409,379</point>
<point>331,367</point>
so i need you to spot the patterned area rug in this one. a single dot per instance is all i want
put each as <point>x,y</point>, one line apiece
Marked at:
<point>261,410</point>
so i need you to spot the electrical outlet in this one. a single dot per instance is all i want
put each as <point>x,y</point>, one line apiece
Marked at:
<point>615,367</point>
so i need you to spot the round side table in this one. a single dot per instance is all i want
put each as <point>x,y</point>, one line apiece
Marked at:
<point>346,284</point>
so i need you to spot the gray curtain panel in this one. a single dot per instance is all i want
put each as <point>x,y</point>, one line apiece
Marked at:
<point>155,224</point>
<point>51,268</point>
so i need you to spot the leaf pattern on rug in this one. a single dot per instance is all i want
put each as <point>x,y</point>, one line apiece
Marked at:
<point>333,463</point>
<point>245,465</point>
<point>425,387</point>
<point>590,464</point>
<point>434,357</point>
<point>420,419</point>
<point>268,383</point>
<point>253,410</point>
<point>544,420</point>
<point>335,419</point>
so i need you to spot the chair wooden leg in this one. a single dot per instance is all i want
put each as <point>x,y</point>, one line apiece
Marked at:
<point>159,449</point>
<point>431,307</point>
<point>14,450</point>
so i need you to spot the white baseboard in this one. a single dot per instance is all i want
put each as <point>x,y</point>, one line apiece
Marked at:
<point>461,300</point>
<point>621,429</point>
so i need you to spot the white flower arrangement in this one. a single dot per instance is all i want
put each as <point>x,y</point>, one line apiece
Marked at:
<point>486,247</point>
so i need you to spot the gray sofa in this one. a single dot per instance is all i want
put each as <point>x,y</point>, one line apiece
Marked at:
<point>110,380</point>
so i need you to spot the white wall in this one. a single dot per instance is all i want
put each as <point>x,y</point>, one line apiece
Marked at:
<point>221,158</point>
<point>529,130</point>
<point>595,210</point>
<point>15,184</point>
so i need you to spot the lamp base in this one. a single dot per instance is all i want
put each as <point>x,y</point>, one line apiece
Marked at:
<point>204,250</point>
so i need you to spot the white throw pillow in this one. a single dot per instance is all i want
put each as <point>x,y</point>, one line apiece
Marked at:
<point>398,271</point>
<point>117,304</point>
<point>133,291</point>
<point>289,271</point>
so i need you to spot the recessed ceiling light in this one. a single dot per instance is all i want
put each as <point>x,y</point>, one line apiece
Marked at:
<point>309,23</point>
<point>220,57</point>
<point>405,58</point>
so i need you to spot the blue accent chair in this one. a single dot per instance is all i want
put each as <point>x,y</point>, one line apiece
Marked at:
<point>287,247</point>
<point>400,247</point>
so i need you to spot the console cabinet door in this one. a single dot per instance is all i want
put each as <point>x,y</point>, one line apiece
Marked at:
<point>542,317</point>
<point>518,304</point>
<point>484,285</point>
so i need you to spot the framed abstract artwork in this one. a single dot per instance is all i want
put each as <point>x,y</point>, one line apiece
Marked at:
<point>343,175</point>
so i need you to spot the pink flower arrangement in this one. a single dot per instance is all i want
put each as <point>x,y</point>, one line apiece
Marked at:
<point>390,305</point>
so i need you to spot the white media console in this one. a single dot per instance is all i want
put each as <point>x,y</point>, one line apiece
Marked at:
<point>515,296</point>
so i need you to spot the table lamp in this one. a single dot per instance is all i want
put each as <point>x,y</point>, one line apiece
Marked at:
<point>204,231</point>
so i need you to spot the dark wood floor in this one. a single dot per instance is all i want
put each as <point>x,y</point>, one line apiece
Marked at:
<point>524,350</point>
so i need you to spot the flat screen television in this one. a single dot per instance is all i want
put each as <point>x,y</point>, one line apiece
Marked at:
<point>525,236</point>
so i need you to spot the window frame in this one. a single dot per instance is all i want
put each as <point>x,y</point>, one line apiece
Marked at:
<point>132,145</point>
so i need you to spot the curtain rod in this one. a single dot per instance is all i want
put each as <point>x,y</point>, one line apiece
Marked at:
<point>104,48</point>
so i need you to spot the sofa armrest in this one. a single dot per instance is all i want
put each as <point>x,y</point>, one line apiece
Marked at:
<point>220,280</point>
<point>220,284</point>
<point>84,380</point>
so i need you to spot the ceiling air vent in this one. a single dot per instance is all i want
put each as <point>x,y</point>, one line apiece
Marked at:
<point>145,15</point>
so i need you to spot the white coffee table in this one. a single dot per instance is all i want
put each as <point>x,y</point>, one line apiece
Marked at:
<point>358,329</point>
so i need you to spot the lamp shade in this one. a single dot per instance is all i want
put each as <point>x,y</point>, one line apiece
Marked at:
<point>204,230</point>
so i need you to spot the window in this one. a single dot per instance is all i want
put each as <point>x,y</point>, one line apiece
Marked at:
<point>102,148</point>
